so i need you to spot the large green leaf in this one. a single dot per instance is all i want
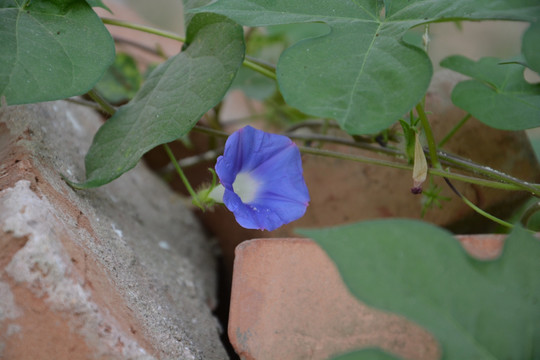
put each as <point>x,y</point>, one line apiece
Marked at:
<point>171,101</point>
<point>361,72</point>
<point>50,50</point>
<point>498,96</point>
<point>476,309</point>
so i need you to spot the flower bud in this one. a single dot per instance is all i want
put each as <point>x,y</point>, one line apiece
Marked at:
<point>420,168</point>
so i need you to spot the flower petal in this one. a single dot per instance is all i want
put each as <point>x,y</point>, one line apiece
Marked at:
<point>269,214</point>
<point>283,176</point>
<point>274,162</point>
<point>245,150</point>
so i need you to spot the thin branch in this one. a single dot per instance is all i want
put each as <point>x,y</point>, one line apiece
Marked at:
<point>260,69</point>
<point>259,65</point>
<point>486,171</point>
<point>104,104</point>
<point>476,208</point>
<point>143,28</point>
<point>91,104</point>
<point>262,63</point>
<point>185,180</point>
<point>140,46</point>
<point>405,166</point>
<point>454,130</point>
<point>356,144</point>
<point>193,160</point>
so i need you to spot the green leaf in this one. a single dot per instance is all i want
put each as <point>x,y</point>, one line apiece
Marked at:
<point>366,354</point>
<point>267,44</point>
<point>121,81</point>
<point>189,5</point>
<point>531,46</point>
<point>50,50</point>
<point>361,72</point>
<point>171,101</point>
<point>498,96</point>
<point>476,309</point>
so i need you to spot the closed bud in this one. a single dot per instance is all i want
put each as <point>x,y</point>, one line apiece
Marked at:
<point>420,168</point>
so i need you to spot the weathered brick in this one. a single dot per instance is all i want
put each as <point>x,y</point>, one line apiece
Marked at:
<point>119,272</point>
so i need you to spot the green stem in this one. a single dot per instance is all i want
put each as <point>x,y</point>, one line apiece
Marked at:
<point>529,213</point>
<point>183,177</point>
<point>476,208</point>
<point>341,141</point>
<point>143,28</point>
<point>512,183</point>
<point>209,131</point>
<point>470,166</point>
<point>429,136</point>
<point>454,130</point>
<point>260,69</point>
<point>105,106</point>
<point>87,103</point>
<point>249,63</point>
<point>315,123</point>
<point>404,166</point>
<point>357,158</point>
<point>262,63</point>
<point>157,51</point>
<point>475,180</point>
<point>486,214</point>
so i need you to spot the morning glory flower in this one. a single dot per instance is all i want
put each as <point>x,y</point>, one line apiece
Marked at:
<point>261,179</point>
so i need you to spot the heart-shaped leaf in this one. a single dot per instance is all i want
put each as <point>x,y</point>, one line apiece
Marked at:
<point>361,72</point>
<point>476,309</point>
<point>498,96</point>
<point>50,50</point>
<point>171,101</point>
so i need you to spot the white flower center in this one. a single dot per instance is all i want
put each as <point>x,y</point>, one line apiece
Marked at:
<point>246,187</point>
<point>217,194</point>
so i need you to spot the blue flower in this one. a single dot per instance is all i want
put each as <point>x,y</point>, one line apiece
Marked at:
<point>262,179</point>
